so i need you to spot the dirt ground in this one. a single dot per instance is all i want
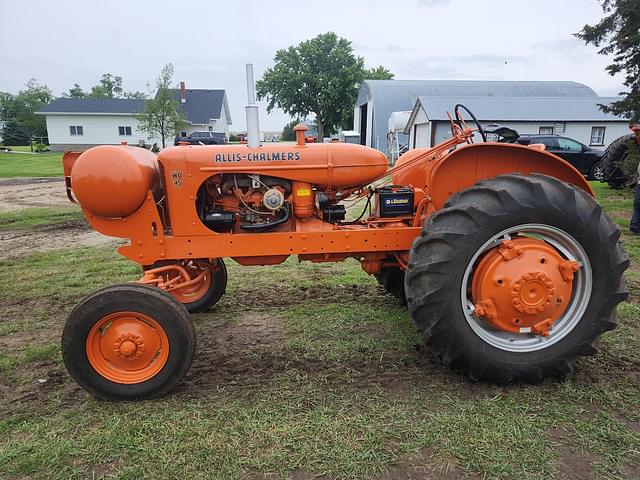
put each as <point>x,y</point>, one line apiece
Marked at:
<point>21,193</point>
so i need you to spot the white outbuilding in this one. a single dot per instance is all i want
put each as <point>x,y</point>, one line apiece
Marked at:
<point>570,108</point>
<point>577,118</point>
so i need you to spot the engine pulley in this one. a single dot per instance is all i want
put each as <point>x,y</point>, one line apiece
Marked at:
<point>273,199</point>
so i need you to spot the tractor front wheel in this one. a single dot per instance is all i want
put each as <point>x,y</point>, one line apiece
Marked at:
<point>128,342</point>
<point>204,294</point>
<point>515,278</point>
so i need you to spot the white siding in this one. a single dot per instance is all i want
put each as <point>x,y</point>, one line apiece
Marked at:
<point>220,125</point>
<point>580,131</point>
<point>97,130</point>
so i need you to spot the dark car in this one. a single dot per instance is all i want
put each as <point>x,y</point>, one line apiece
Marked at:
<point>203,138</point>
<point>585,159</point>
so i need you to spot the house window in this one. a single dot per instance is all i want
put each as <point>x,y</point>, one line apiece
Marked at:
<point>597,135</point>
<point>210,128</point>
<point>124,131</point>
<point>75,130</point>
<point>545,131</point>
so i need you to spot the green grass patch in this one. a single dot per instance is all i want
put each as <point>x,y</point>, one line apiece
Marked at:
<point>37,353</point>
<point>33,217</point>
<point>48,164</point>
<point>64,274</point>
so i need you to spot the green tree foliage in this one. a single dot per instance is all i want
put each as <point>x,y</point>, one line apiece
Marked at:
<point>109,86</point>
<point>19,113</point>
<point>318,76</point>
<point>287,132</point>
<point>13,135</point>
<point>618,34</point>
<point>75,92</point>
<point>378,73</point>
<point>161,115</point>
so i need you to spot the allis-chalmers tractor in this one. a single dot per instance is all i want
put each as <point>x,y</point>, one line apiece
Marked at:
<point>509,267</point>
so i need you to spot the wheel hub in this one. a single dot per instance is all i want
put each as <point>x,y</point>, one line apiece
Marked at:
<point>532,293</point>
<point>523,286</point>
<point>129,346</point>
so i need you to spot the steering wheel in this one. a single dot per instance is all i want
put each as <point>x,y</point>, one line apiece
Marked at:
<point>461,121</point>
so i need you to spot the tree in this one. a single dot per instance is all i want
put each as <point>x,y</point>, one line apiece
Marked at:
<point>287,132</point>
<point>75,92</point>
<point>161,115</point>
<point>319,76</point>
<point>378,73</point>
<point>14,135</point>
<point>618,34</point>
<point>109,86</point>
<point>19,111</point>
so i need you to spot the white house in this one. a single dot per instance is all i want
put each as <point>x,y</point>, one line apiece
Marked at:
<point>578,118</point>
<point>79,123</point>
<point>378,99</point>
<point>205,110</point>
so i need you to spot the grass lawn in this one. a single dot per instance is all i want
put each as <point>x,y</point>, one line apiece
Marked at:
<point>303,370</point>
<point>48,164</point>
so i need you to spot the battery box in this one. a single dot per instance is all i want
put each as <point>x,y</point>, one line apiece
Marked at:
<point>395,201</point>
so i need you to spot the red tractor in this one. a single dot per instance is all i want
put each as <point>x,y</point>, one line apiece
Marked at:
<point>509,267</point>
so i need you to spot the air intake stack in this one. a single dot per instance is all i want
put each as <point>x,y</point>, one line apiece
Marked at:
<point>253,125</point>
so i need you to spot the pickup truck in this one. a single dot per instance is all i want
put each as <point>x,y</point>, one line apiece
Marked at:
<point>204,138</point>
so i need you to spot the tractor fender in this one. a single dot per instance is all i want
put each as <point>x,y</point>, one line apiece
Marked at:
<point>467,165</point>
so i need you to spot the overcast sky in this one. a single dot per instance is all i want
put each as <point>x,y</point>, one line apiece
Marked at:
<point>209,42</point>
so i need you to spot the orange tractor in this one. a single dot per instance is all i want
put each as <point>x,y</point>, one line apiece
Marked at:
<point>509,267</point>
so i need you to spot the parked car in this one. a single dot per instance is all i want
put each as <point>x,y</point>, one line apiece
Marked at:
<point>585,159</point>
<point>204,138</point>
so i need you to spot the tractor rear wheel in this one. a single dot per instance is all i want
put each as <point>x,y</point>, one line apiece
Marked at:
<point>515,278</point>
<point>128,342</point>
<point>392,280</point>
<point>614,155</point>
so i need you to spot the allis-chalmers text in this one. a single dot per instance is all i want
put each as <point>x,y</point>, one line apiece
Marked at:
<point>257,157</point>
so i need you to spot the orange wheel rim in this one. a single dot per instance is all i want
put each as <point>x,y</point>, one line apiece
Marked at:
<point>127,347</point>
<point>195,292</point>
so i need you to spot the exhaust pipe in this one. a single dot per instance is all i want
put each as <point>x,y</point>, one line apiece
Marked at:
<point>253,125</point>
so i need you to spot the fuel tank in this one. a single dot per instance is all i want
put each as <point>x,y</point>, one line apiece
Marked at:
<point>112,181</point>
<point>335,165</point>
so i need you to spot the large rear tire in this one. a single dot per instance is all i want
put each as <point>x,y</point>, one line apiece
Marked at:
<point>128,342</point>
<point>448,256</point>
<point>613,156</point>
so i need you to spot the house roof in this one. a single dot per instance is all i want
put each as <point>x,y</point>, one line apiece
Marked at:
<point>524,109</point>
<point>200,107</point>
<point>94,105</point>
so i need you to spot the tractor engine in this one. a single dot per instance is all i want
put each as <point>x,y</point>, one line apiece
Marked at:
<point>246,202</point>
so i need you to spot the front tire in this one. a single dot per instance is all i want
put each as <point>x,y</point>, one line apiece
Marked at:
<point>392,280</point>
<point>128,342</point>
<point>540,212</point>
